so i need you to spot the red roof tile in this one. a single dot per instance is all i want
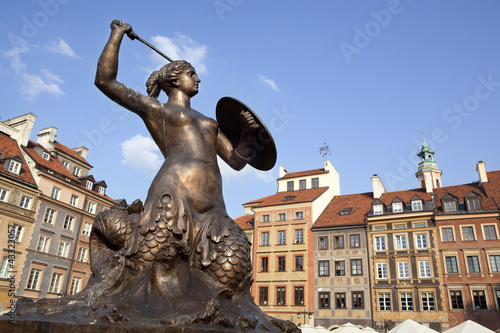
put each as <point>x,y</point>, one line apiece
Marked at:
<point>70,152</point>
<point>9,148</point>
<point>304,173</point>
<point>460,191</point>
<point>359,204</point>
<point>405,195</point>
<point>300,196</point>
<point>52,164</point>
<point>243,222</point>
<point>492,187</point>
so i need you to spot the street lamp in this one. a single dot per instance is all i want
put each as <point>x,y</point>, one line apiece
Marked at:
<point>304,312</point>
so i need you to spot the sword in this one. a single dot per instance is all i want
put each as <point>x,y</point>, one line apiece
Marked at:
<point>132,35</point>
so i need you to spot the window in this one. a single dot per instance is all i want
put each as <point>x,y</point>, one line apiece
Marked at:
<point>76,171</point>
<point>340,268</point>
<point>265,218</point>
<point>489,232</point>
<point>377,209</point>
<point>473,263</point>
<point>87,228</point>
<point>419,225</point>
<point>344,212</point>
<point>264,264</point>
<point>289,185</point>
<point>73,201</point>
<point>33,279</point>
<point>355,242</point>
<point>379,228</point>
<point>3,194</point>
<point>66,164</point>
<point>263,295</point>
<point>68,223</point>
<point>17,231</point>
<point>102,190</point>
<point>447,233</point>
<point>479,299</point>
<point>55,283</point>
<point>457,301</point>
<point>299,215</point>
<point>89,185</point>
<point>25,202</point>
<point>299,263</point>
<point>424,269</point>
<point>356,267</point>
<point>421,241</point>
<point>282,217</point>
<point>299,236</point>
<point>340,300</point>
<point>63,249</point>
<point>302,184</point>
<point>400,242</point>
<point>497,296</point>
<point>324,268</point>
<point>406,301</point>
<point>46,156</point>
<point>403,270</point>
<point>473,204</point>
<point>450,206</point>
<point>289,198</point>
<point>91,207</point>
<point>14,167</point>
<point>338,242</point>
<point>55,193</point>
<point>397,207</point>
<point>280,296</point>
<point>428,302</point>
<point>43,243</point>
<point>357,300</point>
<point>495,263</point>
<point>451,265</point>
<point>6,267</point>
<point>380,243</point>
<point>82,254</point>
<point>315,182</point>
<point>264,238</point>
<point>399,226</point>
<point>416,205</point>
<point>323,243</point>
<point>324,300</point>
<point>49,216</point>
<point>281,237</point>
<point>75,285</point>
<point>468,233</point>
<point>281,264</point>
<point>381,270</point>
<point>298,295</point>
<point>384,301</point>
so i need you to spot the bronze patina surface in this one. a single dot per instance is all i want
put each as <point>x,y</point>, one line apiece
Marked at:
<point>179,262</point>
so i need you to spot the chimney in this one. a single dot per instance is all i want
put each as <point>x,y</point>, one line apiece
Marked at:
<point>46,137</point>
<point>378,187</point>
<point>282,172</point>
<point>82,151</point>
<point>481,170</point>
<point>19,128</point>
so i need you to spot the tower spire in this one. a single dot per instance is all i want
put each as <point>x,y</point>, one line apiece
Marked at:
<point>428,174</point>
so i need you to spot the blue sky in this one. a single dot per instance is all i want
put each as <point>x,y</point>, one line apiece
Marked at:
<point>364,77</point>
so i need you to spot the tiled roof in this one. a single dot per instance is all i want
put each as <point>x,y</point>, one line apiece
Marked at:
<point>300,196</point>
<point>304,173</point>
<point>492,187</point>
<point>460,191</point>
<point>405,195</point>
<point>52,164</point>
<point>70,152</point>
<point>9,148</point>
<point>359,204</point>
<point>243,222</point>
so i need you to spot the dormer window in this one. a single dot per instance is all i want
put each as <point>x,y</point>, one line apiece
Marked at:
<point>102,190</point>
<point>378,209</point>
<point>450,204</point>
<point>397,207</point>
<point>14,167</point>
<point>89,185</point>
<point>346,211</point>
<point>416,205</point>
<point>289,198</point>
<point>46,156</point>
<point>473,201</point>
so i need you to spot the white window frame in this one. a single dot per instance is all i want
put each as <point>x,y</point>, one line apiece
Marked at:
<point>380,243</point>
<point>3,194</point>
<point>494,228</point>
<point>424,269</point>
<point>73,201</point>
<point>89,185</point>
<point>82,254</point>
<point>407,297</point>
<point>69,219</point>
<point>14,167</point>
<point>417,205</point>
<point>43,243</point>
<point>265,218</point>
<point>281,237</point>
<point>63,249</point>
<point>56,193</point>
<point>421,241</point>
<point>102,190</point>
<point>264,238</point>
<point>299,215</point>
<point>299,236</point>
<point>76,171</point>
<point>441,228</point>
<point>75,285</point>
<point>46,156</point>
<point>397,207</point>
<point>378,209</point>
<point>6,267</point>
<point>25,202</point>
<point>55,283</point>
<point>425,300</point>
<point>382,272</point>
<point>91,207</point>
<point>281,216</point>
<point>403,269</point>
<point>400,242</point>
<point>50,215</point>
<point>65,164</point>
<point>18,231</point>
<point>34,279</point>
<point>87,229</point>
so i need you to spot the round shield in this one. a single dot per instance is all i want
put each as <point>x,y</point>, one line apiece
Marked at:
<point>263,150</point>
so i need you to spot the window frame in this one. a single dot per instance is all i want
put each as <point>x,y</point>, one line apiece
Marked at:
<point>378,209</point>
<point>339,297</point>
<point>324,300</point>
<point>25,202</point>
<point>338,242</point>
<point>397,207</point>
<point>358,299</point>
<point>280,295</point>
<point>298,295</point>
<point>447,228</point>
<point>382,272</point>
<point>456,299</point>
<point>384,301</point>
<point>315,182</point>
<point>56,193</point>
<point>483,301</point>
<point>323,267</point>
<point>299,215</point>
<point>417,203</point>
<point>476,264</point>
<point>43,244</point>
<point>281,217</point>
<point>263,295</point>
<point>264,264</point>
<point>357,241</point>
<point>466,236</point>
<point>298,267</point>
<point>50,216</point>
<point>488,235</point>
<point>265,218</point>
<point>400,245</point>
<point>423,243</point>
<point>452,263</point>
<point>34,279</point>
<point>356,267</point>
<point>405,270</point>
<point>428,301</point>
<point>323,243</point>
<point>424,269</point>
<point>340,271</point>
<point>75,285</point>
<point>55,283</point>
<point>71,223</point>
<point>380,245</point>
<point>281,237</point>
<point>299,236</point>
<point>281,264</point>
<point>264,238</point>
<point>3,194</point>
<point>406,301</point>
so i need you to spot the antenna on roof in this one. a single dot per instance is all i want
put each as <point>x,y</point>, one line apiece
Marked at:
<point>325,150</point>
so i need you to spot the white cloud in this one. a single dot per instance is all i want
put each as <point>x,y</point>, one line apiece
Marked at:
<point>61,47</point>
<point>31,84</point>
<point>180,47</point>
<point>229,175</point>
<point>268,82</point>
<point>141,153</point>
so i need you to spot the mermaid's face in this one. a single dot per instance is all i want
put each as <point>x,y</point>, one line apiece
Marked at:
<point>188,82</point>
